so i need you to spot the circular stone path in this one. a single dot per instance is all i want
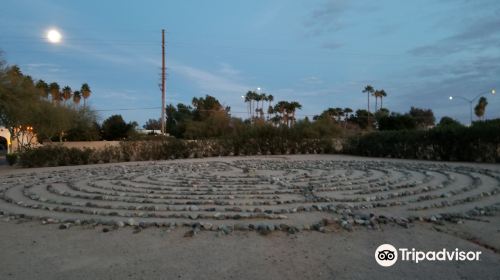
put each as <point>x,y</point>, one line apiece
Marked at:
<point>262,194</point>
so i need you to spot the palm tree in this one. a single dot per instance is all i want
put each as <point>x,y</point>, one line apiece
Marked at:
<point>376,94</point>
<point>291,108</point>
<point>270,99</point>
<point>280,110</point>
<point>85,91</point>
<point>249,97</point>
<point>76,98</point>
<point>43,88</point>
<point>368,90</point>
<point>257,98</point>
<point>66,93</point>
<point>480,108</point>
<point>262,97</point>
<point>54,92</point>
<point>382,95</point>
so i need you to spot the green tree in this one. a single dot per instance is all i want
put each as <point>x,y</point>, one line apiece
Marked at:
<point>152,124</point>
<point>115,128</point>
<point>52,121</point>
<point>204,107</point>
<point>19,102</point>
<point>84,126</point>
<point>364,119</point>
<point>448,122</point>
<point>480,108</point>
<point>397,121</point>
<point>424,118</point>
<point>177,119</point>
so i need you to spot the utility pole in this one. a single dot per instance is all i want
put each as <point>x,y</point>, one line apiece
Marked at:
<point>162,82</point>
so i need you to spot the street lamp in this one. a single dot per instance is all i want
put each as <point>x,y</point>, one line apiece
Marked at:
<point>470,101</point>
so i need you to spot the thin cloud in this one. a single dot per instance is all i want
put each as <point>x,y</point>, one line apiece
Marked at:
<point>478,34</point>
<point>327,18</point>
<point>209,81</point>
<point>331,45</point>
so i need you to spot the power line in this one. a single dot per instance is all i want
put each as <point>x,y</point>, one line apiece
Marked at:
<point>127,109</point>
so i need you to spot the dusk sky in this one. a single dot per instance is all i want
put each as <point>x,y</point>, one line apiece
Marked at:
<point>319,53</point>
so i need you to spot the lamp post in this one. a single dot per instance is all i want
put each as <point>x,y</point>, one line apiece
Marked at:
<point>470,101</point>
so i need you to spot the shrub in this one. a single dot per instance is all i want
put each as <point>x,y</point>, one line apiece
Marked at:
<point>479,143</point>
<point>54,155</point>
<point>11,158</point>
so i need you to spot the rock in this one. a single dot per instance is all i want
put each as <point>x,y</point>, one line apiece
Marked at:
<point>105,230</point>
<point>219,216</point>
<point>207,226</point>
<point>225,229</point>
<point>264,229</point>
<point>132,222</point>
<point>359,221</point>
<point>64,226</point>
<point>241,227</point>
<point>293,230</point>
<point>346,225</point>
<point>120,224</point>
<point>193,216</point>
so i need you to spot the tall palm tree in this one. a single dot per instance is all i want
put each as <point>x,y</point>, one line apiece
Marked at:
<point>76,98</point>
<point>250,97</point>
<point>43,88</point>
<point>54,92</point>
<point>382,95</point>
<point>368,90</point>
<point>257,98</point>
<point>262,97</point>
<point>85,91</point>
<point>291,108</point>
<point>376,94</point>
<point>280,110</point>
<point>270,99</point>
<point>66,93</point>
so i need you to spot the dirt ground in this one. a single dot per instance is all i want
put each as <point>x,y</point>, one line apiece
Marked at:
<point>31,250</point>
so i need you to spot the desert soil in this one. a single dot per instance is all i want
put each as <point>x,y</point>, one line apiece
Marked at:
<point>283,217</point>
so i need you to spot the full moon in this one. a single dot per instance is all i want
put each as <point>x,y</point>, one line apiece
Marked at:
<point>54,36</point>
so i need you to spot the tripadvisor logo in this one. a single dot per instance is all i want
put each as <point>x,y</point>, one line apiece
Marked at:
<point>387,255</point>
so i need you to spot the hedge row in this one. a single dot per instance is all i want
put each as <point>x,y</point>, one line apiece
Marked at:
<point>478,143</point>
<point>56,155</point>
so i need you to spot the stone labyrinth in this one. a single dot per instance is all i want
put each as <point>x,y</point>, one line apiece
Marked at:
<point>256,194</point>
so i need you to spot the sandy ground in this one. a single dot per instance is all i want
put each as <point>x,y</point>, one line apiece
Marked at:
<point>30,250</point>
